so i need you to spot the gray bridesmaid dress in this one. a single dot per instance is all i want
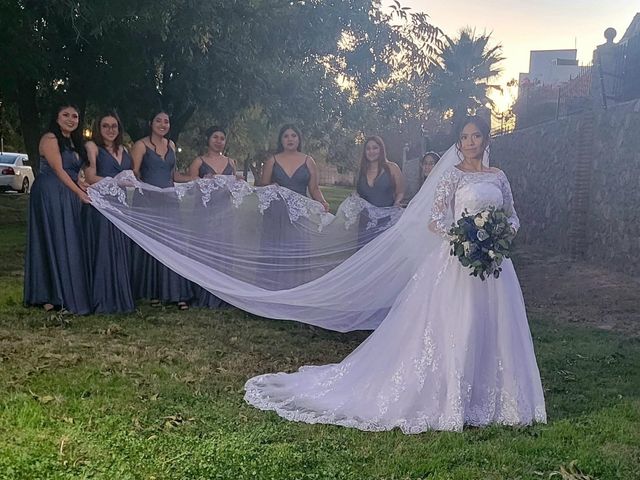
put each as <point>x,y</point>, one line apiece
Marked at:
<point>55,267</point>
<point>152,279</point>
<point>109,250</point>
<point>202,297</point>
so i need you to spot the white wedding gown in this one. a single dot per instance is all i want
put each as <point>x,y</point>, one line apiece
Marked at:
<point>452,351</point>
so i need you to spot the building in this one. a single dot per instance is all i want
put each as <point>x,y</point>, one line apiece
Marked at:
<point>549,68</point>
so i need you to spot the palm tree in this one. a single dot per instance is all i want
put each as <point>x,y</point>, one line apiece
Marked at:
<point>459,84</point>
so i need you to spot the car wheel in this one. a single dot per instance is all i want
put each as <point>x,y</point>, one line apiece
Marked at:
<point>25,186</point>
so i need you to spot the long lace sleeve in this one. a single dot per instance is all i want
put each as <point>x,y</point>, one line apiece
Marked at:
<point>441,209</point>
<point>507,198</point>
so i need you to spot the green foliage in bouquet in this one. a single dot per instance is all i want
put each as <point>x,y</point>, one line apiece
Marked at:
<point>482,241</point>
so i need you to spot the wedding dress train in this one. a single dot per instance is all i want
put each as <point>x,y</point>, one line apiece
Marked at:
<point>452,351</point>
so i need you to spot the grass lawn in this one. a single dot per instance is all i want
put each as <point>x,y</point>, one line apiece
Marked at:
<point>335,195</point>
<point>158,395</point>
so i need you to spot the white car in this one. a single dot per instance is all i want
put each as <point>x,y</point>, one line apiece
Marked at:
<point>15,174</point>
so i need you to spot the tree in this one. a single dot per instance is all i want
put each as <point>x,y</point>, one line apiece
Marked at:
<point>460,83</point>
<point>218,56</point>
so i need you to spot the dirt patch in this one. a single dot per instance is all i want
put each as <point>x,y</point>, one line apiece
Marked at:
<point>575,291</point>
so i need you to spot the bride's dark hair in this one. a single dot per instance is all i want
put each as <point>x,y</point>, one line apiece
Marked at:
<point>481,125</point>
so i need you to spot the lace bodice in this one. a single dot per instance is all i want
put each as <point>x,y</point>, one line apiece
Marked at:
<point>473,191</point>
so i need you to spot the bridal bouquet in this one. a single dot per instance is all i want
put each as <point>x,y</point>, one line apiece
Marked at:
<point>482,241</point>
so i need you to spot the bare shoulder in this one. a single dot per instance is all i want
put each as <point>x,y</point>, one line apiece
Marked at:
<point>48,138</point>
<point>394,167</point>
<point>48,141</point>
<point>140,144</point>
<point>172,144</point>
<point>91,146</point>
<point>271,159</point>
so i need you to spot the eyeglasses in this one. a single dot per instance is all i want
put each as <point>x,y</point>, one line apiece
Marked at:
<point>106,126</point>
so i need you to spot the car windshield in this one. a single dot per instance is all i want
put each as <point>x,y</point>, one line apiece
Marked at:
<point>8,158</point>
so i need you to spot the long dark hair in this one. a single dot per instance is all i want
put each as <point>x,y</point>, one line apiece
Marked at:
<point>96,135</point>
<point>75,142</point>
<point>481,124</point>
<point>382,159</point>
<point>149,131</point>
<point>285,127</point>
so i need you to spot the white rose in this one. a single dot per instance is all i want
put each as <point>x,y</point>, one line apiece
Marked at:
<point>479,221</point>
<point>492,254</point>
<point>482,235</point>
<point>466,246</point>
<point>485,215</point>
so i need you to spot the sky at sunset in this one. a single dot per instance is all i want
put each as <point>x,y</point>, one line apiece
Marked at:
<point>521,26</point>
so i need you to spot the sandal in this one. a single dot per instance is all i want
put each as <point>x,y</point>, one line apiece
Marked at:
<point>156,303</point>
<point>183,306</point>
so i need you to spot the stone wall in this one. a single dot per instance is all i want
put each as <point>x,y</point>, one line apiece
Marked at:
<point>541,164</point>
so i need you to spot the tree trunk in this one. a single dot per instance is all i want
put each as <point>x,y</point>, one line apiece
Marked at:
<point>29,121</point>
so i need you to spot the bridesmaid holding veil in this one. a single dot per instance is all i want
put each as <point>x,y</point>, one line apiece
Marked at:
<point>212,163</point>
<point>154,162</point>
<point>109,250</point>
<point>298,172</point>
<point>292,169</point>
<point>381,183</point>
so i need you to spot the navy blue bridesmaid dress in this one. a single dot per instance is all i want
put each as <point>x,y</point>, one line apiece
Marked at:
<point>298,181</point>
<point>55,267</point>
<point>206,170</point>
<point>202,297</point>
<point>381,194</point>
<point>282,235</point>
<point>383,191</point>
<point>109,250</point>
<point>152,279</point>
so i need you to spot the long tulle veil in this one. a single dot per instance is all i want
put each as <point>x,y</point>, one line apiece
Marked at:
<point>212,231</point>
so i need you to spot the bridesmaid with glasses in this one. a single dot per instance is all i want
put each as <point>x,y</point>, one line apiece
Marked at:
<point>109,250</point>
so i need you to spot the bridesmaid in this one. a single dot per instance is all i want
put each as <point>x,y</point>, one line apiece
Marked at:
<point>55,269</point>
<point>427,162</point>
<point>292,169</point>
<point>109,249</point>
<point>380,182</point>
<point>154,162</point>
<point>212,163</point>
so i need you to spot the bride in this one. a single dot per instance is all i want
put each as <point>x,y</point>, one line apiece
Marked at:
<point>452,351</point>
